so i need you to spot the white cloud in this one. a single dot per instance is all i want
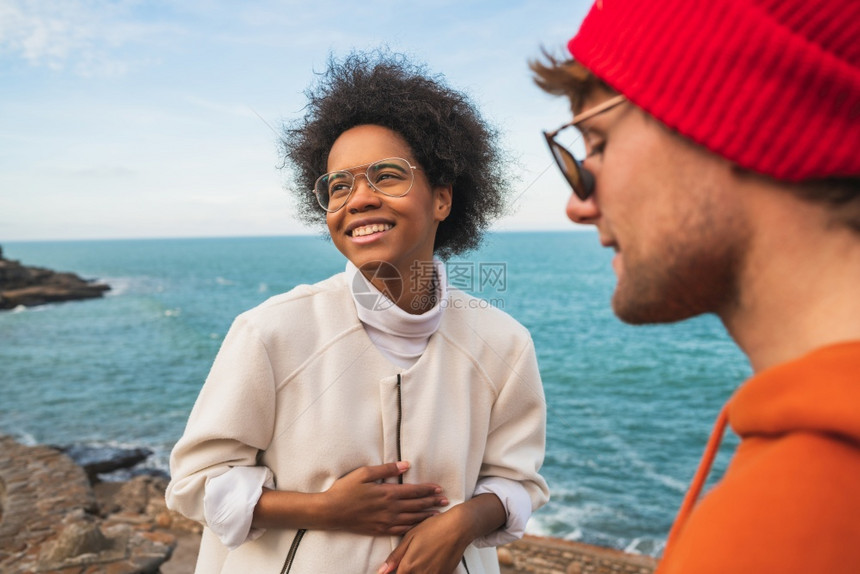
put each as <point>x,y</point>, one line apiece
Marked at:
<point>84,36</point>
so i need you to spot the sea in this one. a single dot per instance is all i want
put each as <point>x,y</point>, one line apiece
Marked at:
<point>629,408</point>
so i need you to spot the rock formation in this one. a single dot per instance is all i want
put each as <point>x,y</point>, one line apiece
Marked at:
<point>51,520</point>
<point>119,462</point>
<point>29,286</point>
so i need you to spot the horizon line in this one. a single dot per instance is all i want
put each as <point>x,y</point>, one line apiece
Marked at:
<point>574,228</point>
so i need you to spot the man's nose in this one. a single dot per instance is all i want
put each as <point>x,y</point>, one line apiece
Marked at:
<point>582,211</point>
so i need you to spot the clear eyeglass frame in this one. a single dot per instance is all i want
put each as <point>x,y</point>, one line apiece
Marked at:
<point>391,176</point>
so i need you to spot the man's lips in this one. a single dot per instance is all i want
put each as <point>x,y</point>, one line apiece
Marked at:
<point>608,242</point>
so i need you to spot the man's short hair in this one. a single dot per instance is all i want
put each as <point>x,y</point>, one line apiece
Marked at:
<point>566,78</point>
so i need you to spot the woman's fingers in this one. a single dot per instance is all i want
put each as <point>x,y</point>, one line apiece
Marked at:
<point>393,560</point>
<point>381,471</point>
<point>424,495</point>
<point>421,504</point>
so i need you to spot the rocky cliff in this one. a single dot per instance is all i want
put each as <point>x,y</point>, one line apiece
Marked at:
<point>29,286</point>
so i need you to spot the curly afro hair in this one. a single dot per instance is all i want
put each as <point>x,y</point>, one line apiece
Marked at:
<point>444,130</point>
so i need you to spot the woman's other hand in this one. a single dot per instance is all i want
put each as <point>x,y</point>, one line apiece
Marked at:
<point>436,546</point>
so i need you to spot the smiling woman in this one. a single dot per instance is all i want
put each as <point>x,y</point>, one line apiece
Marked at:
<point>379,420</point>
<point>450,140</point>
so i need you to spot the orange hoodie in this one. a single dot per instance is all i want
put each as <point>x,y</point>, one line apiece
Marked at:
<point>790,499</point>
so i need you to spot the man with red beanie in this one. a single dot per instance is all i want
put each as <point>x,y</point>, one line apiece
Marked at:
<point>722,166</point>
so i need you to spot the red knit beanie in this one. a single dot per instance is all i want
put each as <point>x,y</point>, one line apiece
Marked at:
<point>772,85</point>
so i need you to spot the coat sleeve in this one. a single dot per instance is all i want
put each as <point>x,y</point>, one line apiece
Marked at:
<point>517,435</point>
<point>231,422</point>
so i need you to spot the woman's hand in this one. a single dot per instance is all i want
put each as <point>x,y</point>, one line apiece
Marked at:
<point>359,503</point>
<point>436,546</point>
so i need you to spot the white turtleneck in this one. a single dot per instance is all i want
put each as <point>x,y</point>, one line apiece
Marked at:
<point>401,337</point>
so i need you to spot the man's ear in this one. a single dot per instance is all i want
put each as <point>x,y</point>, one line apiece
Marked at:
<point>442,197</point>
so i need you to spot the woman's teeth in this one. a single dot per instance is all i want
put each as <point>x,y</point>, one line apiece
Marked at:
<point>368,229</point>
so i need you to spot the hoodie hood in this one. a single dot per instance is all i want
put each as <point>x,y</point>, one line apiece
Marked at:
<point>818,392</point>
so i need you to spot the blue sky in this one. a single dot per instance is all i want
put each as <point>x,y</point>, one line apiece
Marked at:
<point>127,119</point>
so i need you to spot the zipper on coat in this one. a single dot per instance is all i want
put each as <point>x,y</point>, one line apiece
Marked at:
<point>399,422</point>
<point>399,451</point>
<point>291,555</point>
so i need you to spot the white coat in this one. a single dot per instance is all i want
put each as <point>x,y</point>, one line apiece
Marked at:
<point>300,388</point>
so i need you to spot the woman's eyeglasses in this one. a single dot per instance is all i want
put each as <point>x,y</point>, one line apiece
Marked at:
<point>392,176</point>
<point>580,179</point>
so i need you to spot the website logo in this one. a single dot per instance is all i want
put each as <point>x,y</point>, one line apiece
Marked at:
<point>385,277</point>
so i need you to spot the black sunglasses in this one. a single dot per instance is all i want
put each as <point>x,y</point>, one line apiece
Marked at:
<point>580,179</point>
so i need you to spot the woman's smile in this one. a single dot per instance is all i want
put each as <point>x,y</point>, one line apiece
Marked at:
<point>368,230</point>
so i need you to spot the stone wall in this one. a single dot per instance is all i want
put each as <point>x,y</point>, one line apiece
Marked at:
<point>535,555</point>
